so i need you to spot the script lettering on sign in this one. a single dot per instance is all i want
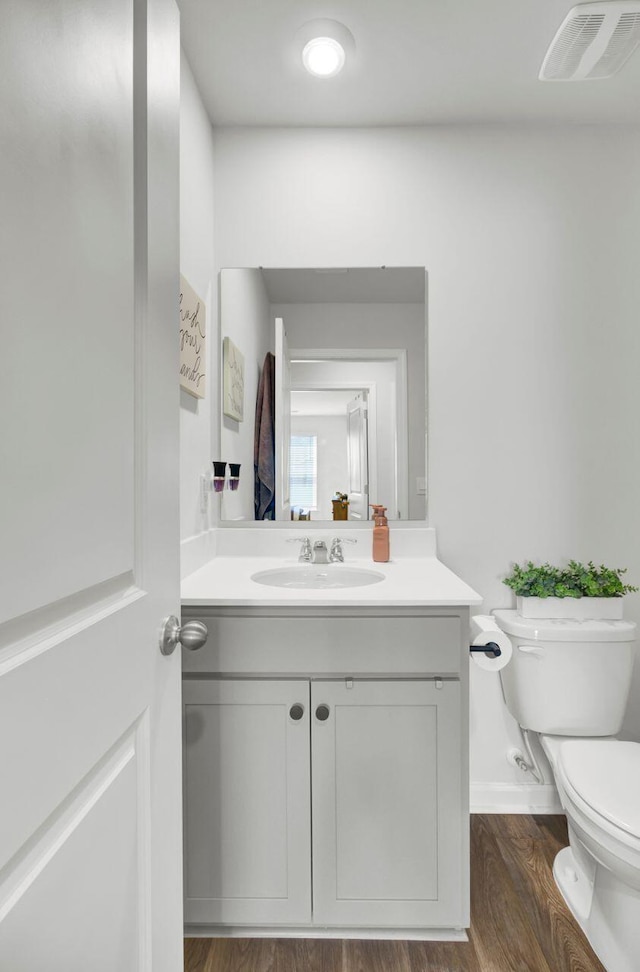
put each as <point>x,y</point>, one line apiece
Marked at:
<point>193,341</point>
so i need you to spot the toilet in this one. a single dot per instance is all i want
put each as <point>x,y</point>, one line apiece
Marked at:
<point>568,681</point>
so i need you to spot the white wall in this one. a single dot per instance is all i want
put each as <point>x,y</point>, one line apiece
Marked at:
<point>333,470</point>
<point>359,325</point>
<point>531,239</point>
<point>244,311</point>
<point>198,431</point>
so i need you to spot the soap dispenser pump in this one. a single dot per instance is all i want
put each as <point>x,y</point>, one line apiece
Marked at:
<point>380,534</point>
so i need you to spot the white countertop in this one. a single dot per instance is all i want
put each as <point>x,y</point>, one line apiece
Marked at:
<point>412,582</point>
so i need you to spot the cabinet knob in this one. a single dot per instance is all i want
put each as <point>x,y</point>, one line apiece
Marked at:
<point>296,712</point>
<point>322,713</point>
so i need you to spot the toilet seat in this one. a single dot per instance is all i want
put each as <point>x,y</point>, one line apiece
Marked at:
<point>602,778</point>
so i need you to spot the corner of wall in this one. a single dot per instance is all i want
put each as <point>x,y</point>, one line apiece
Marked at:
<point>198,417</point>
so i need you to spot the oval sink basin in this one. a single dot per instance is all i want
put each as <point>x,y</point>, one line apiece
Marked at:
<point>317,577</point>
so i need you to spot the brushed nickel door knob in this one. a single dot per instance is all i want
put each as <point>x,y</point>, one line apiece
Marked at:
<point>191,635</point>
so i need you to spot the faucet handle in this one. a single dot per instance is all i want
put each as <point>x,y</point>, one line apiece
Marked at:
<point>336,554</point>
<point>306,553</point>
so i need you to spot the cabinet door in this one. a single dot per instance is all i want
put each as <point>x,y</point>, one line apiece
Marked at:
<point>247,802</point>
<point>387,815</point>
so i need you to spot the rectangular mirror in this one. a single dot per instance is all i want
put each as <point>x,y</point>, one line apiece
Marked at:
<point>333,393</point>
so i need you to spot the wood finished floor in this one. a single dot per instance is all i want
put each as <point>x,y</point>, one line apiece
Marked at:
<point>519,921</point>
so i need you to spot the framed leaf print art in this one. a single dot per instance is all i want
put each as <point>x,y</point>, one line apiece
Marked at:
<point>232,381</point>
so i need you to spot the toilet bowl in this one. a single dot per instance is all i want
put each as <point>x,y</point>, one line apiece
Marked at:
<point>569,681</point>
<point>598,782</point>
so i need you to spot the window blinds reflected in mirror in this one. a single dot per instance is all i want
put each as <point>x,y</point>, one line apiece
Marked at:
<point>303,473</point>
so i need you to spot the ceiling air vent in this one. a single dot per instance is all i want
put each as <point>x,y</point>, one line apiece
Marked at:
<point>594,41</point>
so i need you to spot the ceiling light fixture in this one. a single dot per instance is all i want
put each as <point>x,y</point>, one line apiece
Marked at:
<point>325,45</point>
<point>323,57</point>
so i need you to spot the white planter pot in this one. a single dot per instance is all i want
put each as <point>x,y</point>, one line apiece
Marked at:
<point>571,608</point>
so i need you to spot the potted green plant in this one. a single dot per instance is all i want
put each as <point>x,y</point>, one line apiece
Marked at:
<point>577,591</point>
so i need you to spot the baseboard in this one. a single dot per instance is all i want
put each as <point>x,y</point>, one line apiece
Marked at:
<point>309,931</point>
<point>514,798</point>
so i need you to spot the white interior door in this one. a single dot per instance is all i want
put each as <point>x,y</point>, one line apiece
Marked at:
<point>283,421</point>
<point>358,458</point>
<point>90,815</point>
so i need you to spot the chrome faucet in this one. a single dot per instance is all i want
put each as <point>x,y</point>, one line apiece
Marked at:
<point>336,555</point>
<point>320,553</point>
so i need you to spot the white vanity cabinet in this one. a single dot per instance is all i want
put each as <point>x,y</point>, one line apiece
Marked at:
<point>385,780</point>
<point>325,772</point>
<point>247,801</point>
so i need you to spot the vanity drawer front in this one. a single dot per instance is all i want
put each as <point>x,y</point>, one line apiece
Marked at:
<point>328,646</point>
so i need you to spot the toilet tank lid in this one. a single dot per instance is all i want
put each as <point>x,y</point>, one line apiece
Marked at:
<point>547,629</point>
<point>605,773</point>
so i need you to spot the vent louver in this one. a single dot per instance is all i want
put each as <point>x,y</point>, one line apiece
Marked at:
<point>593,42</point>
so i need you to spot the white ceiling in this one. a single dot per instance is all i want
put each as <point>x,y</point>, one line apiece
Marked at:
<point>416,62</point>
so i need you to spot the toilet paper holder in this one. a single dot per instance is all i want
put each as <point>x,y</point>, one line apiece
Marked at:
<point>491,649</point>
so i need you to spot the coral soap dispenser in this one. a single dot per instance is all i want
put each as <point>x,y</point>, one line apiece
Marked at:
<point>380,534</point>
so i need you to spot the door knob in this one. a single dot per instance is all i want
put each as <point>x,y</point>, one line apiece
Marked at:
<point>191,635</point>
<point>322,713</point>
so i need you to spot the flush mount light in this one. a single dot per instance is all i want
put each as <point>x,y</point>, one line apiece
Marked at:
<point>323,57</point>
<point>325,46</point>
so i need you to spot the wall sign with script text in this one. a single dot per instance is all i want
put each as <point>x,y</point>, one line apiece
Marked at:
<point>192,340</point>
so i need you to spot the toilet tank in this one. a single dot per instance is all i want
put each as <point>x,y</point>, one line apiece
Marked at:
<point>569,678</point>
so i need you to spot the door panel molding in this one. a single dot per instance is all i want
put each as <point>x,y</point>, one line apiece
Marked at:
<point>23,639</point>
<point>31,860</point>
